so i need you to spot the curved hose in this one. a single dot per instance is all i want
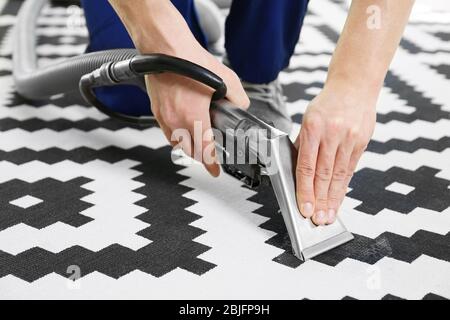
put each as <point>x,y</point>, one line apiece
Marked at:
<point>131,70</point>
<point>63,77</point>
<point>104,68</point>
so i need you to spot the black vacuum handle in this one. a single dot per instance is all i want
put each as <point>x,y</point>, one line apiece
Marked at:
<point>142,65</point>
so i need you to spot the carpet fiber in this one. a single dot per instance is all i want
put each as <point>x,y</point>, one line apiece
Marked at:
<point>82,196</point>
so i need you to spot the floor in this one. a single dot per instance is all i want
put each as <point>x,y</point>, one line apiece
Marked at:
<point>85,198</point>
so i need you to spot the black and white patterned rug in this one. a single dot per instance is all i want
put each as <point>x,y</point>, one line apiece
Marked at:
<point>84,196</point>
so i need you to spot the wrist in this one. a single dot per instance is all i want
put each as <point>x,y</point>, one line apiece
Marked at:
<point>353,90</point>
<point>152,25</point>
<point>154,33</point>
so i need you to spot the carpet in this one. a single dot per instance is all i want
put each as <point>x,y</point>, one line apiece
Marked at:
<point>85,198</point>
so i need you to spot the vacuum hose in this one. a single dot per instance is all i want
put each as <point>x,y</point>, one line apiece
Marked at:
<point>89,71</point>
<point>132,71</point>
<point>37,83</point>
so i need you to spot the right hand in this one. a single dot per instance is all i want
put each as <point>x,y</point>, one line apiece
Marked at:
<point>178,102</point>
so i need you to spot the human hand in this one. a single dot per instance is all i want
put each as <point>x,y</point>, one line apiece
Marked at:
<point>336,129</point>
<point>181,103</point>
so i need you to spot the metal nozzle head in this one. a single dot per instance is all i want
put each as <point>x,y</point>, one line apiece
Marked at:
<point>277,160</point>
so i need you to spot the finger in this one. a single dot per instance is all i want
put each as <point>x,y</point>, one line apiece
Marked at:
<point>209,153</point>
<point>180,138</point>
<point>182,141</point>
<point>162,125</point>
<point>204,140</point>
<point>155,107</point>
<point>338,185</point>
<point>353,163</point>
<point>235,93</point>
<point>322,180</point>
<point>305,171</point>
<point>166,131</point>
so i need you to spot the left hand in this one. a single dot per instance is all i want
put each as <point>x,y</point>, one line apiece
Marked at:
<point>336,129</point>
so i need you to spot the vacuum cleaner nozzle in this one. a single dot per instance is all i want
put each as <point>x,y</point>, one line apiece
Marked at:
<point>276,158</point>
<point>243,138</point>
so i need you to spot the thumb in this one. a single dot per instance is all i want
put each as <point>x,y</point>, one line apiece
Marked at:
<point>235,92</point>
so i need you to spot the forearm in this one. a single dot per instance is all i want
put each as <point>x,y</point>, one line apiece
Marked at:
<point>365,50</point>
<point>154,25</point>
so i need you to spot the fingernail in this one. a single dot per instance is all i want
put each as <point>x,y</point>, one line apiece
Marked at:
<point>331,216</point>
<point>320,217</point>
<point>307,209</point>
<point>214,170</point>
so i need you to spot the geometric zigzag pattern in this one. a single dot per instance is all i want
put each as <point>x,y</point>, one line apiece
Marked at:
<point>79,189</point>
